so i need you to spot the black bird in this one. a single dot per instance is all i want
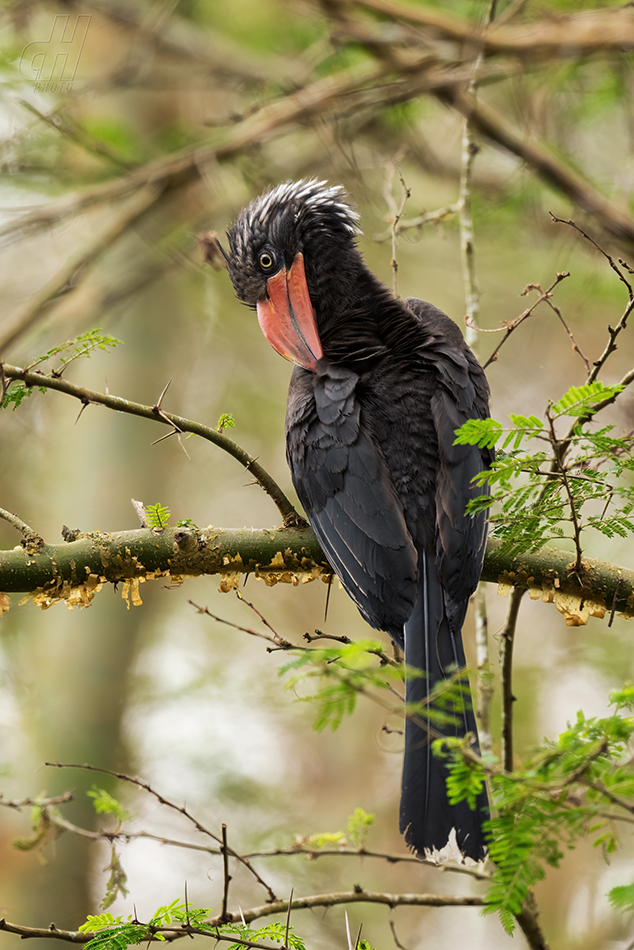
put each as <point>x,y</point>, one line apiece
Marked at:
<point>379,388</point>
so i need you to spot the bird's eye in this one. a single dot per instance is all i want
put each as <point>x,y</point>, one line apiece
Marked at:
<point>266,260</point>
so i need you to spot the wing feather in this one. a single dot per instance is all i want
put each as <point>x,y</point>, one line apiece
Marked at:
<point>343,483</point>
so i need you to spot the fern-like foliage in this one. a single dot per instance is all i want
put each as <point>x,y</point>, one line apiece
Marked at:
<point>570,788</point>
<point>566,485</point>
<point>81,347</point>
<point>115,933</point>
<point>156,516</point>
<point>105,804</point>
<point>343,673</point>
<point>358,826</point>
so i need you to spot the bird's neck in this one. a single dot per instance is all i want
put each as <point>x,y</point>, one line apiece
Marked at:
<point>358,318</point>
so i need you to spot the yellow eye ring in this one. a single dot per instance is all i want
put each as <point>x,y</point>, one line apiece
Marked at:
<point>265,260</point>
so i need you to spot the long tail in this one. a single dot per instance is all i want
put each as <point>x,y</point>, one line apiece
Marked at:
<point>426,817</point>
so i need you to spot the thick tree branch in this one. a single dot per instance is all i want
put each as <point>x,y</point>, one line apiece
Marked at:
<point>572,36</point>
<point>488,122</point>
<point>335,95</point>
<point>76,570</point>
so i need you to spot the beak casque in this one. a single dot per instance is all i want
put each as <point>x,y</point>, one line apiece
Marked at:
<point>287,317</point>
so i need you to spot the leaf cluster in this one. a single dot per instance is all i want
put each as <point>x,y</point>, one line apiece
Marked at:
<point>575,786</point>
<point>81,347</point>
<point>362,668</point>
<point>346,672</point>
<point>357,828</point>
<point>578,482</point>
<point>115,933</point>
<point>105,804</point>
<point>156,516</point>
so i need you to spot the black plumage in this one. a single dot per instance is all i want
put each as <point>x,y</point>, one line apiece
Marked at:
<point>379,388</point>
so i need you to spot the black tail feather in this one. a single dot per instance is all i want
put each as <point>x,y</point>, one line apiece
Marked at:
<point>426,817</point>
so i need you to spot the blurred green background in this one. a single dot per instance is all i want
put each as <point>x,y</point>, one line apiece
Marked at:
<point>196,708</point>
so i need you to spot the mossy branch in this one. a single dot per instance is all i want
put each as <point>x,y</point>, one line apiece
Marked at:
<point>75,571</point>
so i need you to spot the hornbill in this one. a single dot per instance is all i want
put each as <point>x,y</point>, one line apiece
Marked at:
<point>379,387</point>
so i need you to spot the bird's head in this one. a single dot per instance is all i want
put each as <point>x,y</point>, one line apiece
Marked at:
<point>285,251</point>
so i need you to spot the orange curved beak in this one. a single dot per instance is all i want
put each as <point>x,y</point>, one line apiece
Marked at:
<point>287,317</point>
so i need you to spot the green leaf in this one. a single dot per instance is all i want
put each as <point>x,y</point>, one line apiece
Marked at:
<point>156,515</point>
<point>359,823</point>
<point>16,393</point>
<point>82,346</point>
<point>96,922</point>
<point>105,804</point>
<point>579,400</point>
<point>622,897</point>
<point>484,433</point>
<point>623,697</point>
<point>117,882</point>
<point>226,421</point>
<point>343,674</point>
<point>322,838</point>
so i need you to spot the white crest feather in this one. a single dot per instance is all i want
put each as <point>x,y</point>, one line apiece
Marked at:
<point>313,194</point>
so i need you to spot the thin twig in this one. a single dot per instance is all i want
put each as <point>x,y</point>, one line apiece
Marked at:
<point>37,802</point>
<point>76,134</point>
<point>409,224</point>
<point>575,346</point>
<point>260,615</point>
<point>18,524</point>
<point>607,256</point>
<point>319,635</point>
<point>397,942</point>
<point>396,211</point>
<point>336,898</point>
<point>288,920</point>
<point>276,639</point>
<point>165,801</point>
<point>300,850</point>
<point>544,295</point>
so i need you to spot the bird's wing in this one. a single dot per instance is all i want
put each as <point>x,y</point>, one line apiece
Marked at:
<point>342,482</point>
<point>461,394</point>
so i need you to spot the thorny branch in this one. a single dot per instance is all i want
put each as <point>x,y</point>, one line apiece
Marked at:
<point>396,211</point>
<point>514,324</point>
<point>226,876</point>
<point>356,896</point>
<point>179,808</point>
<point>118,404</point>
<point>301,849</point>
